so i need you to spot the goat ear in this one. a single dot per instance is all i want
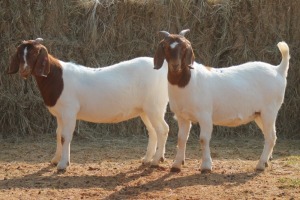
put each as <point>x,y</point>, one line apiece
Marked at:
<point>189,58</point>
<point>159,57</point>
<point>42,66</point>
<point>14,64</point>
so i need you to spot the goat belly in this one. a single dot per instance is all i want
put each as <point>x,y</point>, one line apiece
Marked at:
<point>236,121</point>
<point>106,117</point>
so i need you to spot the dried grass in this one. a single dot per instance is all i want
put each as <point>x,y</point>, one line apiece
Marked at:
<point>102,32</point>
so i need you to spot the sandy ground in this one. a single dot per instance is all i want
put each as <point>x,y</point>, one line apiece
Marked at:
<point>110,168</point>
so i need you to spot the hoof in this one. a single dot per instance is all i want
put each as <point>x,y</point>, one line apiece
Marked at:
<point>61,171</point>
<point>259,169</point>
<point>162,159</point>
<point>146,163</point>
<point>271,158</point>
<point>62,166</point>
<point>154,166</point>
<point>174,169</point>
<point>261,166</point>
<point>55,160</point>
<point>205,171</point>
<point>266,164</point>
<point>53,164</point>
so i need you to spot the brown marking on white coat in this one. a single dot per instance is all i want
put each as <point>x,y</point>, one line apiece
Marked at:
<point>62,140</point>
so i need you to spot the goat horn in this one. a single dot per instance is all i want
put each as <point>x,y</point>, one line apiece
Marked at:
<point>164,33</point>
<point>183,32</point>
<point>39,40</point>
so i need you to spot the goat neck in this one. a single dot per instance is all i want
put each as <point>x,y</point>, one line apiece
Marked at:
<point>51,86</point>
<point>181,79</point>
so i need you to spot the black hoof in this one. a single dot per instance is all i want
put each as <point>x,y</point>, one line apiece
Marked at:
<point>146,163</point>
<point>271,158</point>
<point>162,159</point>
<point>61,171</point>
<point>259,170</point>
<point>154,166</point>
<point>266,164</point>
<point>205,171</point>
<point>174,169</point>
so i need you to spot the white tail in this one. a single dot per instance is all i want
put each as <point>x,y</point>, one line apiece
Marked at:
<point>284,65</point>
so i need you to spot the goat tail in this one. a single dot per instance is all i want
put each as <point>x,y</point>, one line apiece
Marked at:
<point>284,65</point>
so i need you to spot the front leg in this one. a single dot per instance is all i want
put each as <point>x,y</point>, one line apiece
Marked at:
<point>68,127</point>
<point>57,155</point>
<point>183,134</point>
<point>206,126</point>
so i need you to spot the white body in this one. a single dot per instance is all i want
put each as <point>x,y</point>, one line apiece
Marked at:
<point>112,94</point>
<point>230,97</point>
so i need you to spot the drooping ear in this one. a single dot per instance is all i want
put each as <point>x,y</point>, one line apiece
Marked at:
<point>42,66</point>
<point>189,57</point>
<point>159,56</point>
<point>14,64</point>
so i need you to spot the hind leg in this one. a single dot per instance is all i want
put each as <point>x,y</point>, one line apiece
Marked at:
<point>162,129</point>
<point>259,123</point>
<point>152,142</point>
<point>267,123</point>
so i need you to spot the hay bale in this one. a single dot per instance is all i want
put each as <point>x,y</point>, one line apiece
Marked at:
<point>100,32</point>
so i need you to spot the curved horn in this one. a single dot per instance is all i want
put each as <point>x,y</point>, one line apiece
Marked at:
<point>183,32</point>
<point>39,40</point>
<point>164,33</point>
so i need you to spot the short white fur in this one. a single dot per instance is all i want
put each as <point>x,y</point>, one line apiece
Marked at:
<point>232,96</point>
<point>109,95</point>
<point>173,45</point>
<point>24,57</point>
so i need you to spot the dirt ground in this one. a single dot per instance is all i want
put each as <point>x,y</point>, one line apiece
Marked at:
<point>110,168</point>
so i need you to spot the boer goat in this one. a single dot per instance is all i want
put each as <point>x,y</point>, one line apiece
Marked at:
<point>104,95</point>
<point>227,97</point>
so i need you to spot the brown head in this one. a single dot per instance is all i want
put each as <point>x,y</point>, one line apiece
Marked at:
<point>31,57</point>
<point>178,52</point>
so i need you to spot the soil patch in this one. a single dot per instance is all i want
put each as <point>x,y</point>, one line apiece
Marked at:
<point>110,168</point>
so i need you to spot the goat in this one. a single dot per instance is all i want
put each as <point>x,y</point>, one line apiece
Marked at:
<point>227,97</point>
<point>105,95</point>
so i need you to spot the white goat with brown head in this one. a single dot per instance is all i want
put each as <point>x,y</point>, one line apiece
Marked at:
<point>105,95</point>
<point>227,97</point>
